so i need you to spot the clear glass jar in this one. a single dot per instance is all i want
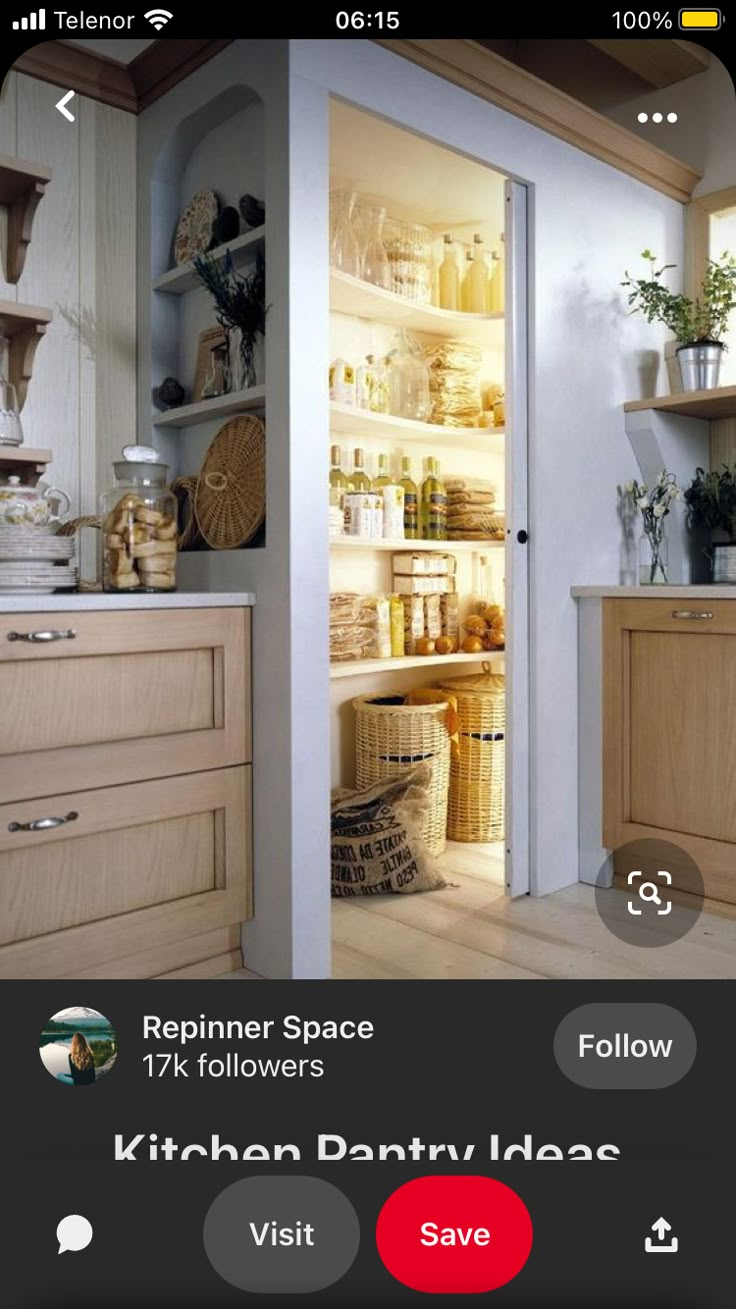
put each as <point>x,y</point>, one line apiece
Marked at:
<point>375,259</point>
<point>409,381</point>
<point>139,525</point>
<point>344,250</point>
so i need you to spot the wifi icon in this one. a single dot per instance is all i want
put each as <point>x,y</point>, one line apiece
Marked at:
<point>158,18</point>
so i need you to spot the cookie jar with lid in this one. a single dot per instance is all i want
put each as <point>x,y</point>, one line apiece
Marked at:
<point>139,525</point>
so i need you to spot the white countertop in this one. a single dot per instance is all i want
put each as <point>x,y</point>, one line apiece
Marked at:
<point>654,592</point>
<point>71,601</point>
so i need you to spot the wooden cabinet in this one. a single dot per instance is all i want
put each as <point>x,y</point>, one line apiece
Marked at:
<point>125,822</point>
<point>669,731</point>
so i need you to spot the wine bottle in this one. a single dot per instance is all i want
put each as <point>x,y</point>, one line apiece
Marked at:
<point>434,504</point>
<point>338,480</point>
<point>358,479</point>
<point>411,501</point>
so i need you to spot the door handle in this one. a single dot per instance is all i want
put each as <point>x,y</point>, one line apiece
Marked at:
<point>43,824</point>
<point>692,613</point>
<point>40,638</point>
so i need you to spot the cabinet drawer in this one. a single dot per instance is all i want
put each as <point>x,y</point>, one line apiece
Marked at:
<point>130,868</point>
<point>698,615</point>
<point>115,697</point>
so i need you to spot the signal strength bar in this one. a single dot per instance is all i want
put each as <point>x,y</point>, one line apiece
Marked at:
<point>34,22</point>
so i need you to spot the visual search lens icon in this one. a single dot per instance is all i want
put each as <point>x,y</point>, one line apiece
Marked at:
<point>649,892</point>
<point>158,18</point>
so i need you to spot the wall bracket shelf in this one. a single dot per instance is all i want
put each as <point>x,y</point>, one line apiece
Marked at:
<point>23,326</point>
<point>22,186</point>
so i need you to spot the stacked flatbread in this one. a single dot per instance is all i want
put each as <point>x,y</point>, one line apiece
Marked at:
<point>471,515</point>
<point>454,383</point>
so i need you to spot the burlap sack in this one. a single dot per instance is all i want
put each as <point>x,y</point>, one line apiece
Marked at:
<point>376,846</point>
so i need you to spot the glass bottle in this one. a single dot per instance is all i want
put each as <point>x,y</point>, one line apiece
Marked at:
<point>434,504</point>
<point>464,281</point>
<point>375,259</point>
<point>380,395</point>
<point>338,480</point>
<point>344,250</point>
<point>409,381</point>
<point>477,278</point>
<point>139,525</point>
<point>382,477</point>
<point>358,479</point>
<point>449,277</point>
<point>411,501</point>
<point>365,383</point>
<point>11,432</point>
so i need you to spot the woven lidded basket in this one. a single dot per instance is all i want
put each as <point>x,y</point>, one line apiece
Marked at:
<point>391,738</point>
<point>230,496</point>
<point>475,810</point>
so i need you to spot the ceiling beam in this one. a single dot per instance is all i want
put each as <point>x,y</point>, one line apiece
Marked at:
<point>660,63</point>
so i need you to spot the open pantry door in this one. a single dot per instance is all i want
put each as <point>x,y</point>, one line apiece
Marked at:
<point>517,538</point>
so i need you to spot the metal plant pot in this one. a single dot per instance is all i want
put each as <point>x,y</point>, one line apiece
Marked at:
<point>724,562</point>
<point>700,366</point>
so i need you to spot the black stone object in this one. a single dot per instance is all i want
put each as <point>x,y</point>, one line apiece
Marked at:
<point>226,225</point>
<point>252,210</point>
<point>169,395</point>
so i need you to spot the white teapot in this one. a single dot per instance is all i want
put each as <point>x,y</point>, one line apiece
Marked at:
<point>31,506</point>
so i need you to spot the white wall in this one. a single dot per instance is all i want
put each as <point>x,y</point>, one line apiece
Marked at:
<point>587,358</point>
<point>81,401</point>
<point>289,935</point>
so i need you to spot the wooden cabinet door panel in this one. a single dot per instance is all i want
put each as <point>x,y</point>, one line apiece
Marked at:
<point>121,696</point>
<point>140,866</point>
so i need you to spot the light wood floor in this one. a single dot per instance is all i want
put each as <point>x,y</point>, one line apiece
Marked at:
<point>472,930</point>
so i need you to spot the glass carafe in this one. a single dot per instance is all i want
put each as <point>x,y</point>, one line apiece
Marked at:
<point>11,432</point>
<point>409,380</point>
<point>139,525</point>
<point>344,250</point>
<point>375,259</point>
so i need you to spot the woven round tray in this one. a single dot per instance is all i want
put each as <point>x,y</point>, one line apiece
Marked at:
<point>230,498</point>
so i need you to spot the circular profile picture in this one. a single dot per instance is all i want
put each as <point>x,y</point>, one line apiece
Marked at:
<point>78,1046</point>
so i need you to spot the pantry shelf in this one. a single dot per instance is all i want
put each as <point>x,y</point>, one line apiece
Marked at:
<point>350,295</point>
<point>218,407</point>
<point>179,280</point>
<point>445,547</point>
<point>359,667</point>
<point>347,420</point>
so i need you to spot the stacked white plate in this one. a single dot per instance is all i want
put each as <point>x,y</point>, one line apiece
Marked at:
<point>34,560</point>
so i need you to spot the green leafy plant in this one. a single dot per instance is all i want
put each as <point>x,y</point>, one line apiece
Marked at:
<point>240,301</point>
<point>693,322</point>
<point>711,500</point>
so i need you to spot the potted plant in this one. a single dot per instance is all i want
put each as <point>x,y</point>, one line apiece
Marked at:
<point>654,503</point>
<point>711,505</point>
<point>240,304</point>
<point>699,326</point>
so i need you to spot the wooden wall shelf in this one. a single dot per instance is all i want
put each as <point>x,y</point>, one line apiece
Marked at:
<point>23,326</point>
<point>22,186</point>
<point>23,462</point>
<point>717,403</point>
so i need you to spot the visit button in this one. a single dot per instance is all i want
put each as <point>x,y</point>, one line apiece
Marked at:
<point>625,1047</point>
<point>454,1235</point>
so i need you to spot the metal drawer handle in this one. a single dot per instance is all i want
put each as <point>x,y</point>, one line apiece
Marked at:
<point>53,634</point>
<point>692,613</point>
<point>42,824</point>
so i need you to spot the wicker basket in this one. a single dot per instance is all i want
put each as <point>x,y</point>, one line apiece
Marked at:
<point>475,809</point>
<point>230,495</point>
<point>392,737</point>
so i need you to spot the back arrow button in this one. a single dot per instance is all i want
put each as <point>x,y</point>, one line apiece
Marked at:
<point>61,106</point>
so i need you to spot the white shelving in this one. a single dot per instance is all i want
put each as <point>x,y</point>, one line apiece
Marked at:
<point>347,420</point>
<point>219,406</point>
<point>359,667</point>
<point>445,547</point>
<point>178,280</point>
<point>350,295</point>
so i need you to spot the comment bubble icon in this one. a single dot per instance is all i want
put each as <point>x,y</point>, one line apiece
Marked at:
<point>73,1233</point>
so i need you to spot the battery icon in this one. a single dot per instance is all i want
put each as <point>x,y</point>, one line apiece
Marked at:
<point>700,20</point>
